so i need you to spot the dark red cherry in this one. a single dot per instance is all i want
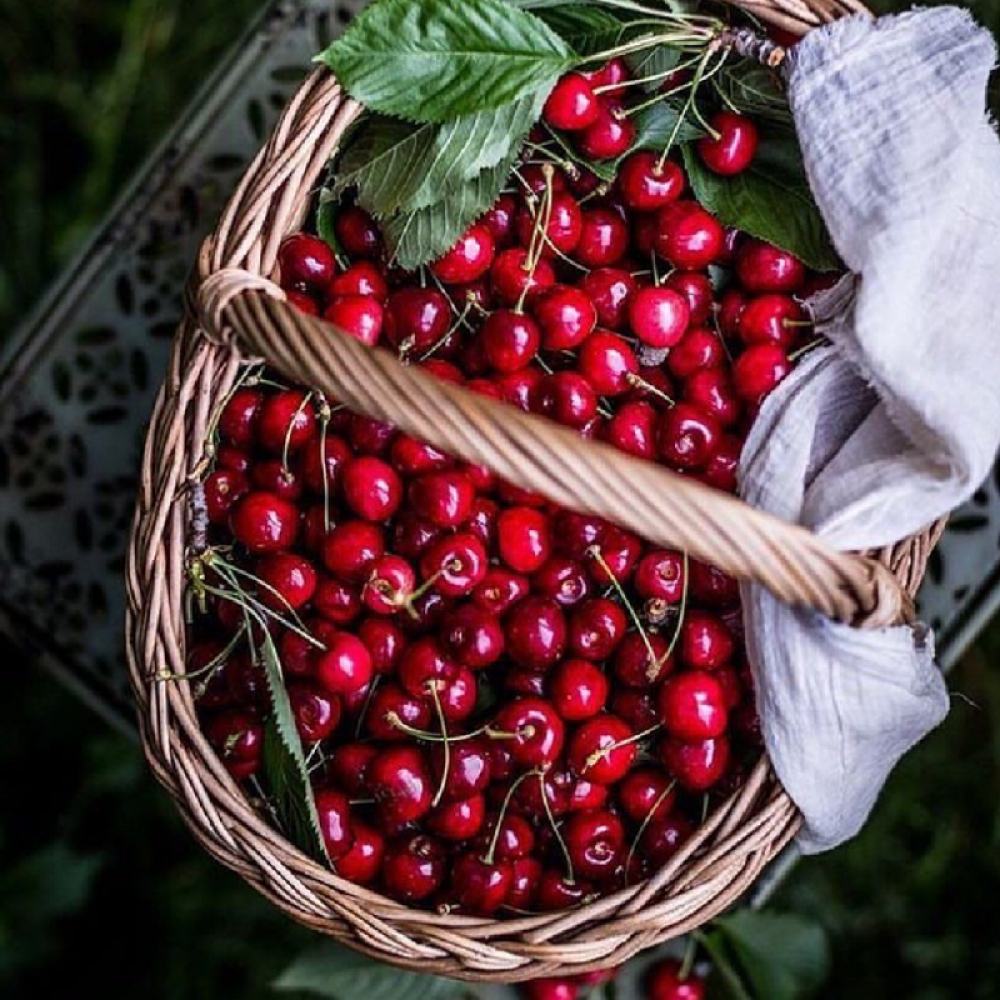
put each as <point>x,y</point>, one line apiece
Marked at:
<point>693,706</point>
<point>469,764</point>
<point>532,731</point>
<point>357,232</point>
<point>603,238</point>
<point>556,892</point>
<point>633,429</point>
<point>731,306</point>
<point>286,421</point>
<point>346,666</point>
<point>514,278</point>
<point>316,712</point>
<point>389,585</point>
<point>358,315</point>
<point>480,887</point>
<point>606,361</point>
<point>287,580</point>
<point>660,576</point>
<point>413,868</point>
<point>699,348</point>
<point>610,289</point>
<point>642,661</point>
<point>390,704</point>
<point>238,419</point>
<point>646,184</point>
<point>499,590</point>
<point>562,580</point>
<point>646,793</point>
<point>239,739</point>
<point>338,602</point>
<point>688,236</point>
<point>459,820</point>
<point>578,690</point>
<point>562,230</point>
<point>637,708</point>
<point>525,875</point>
<point>264,522</point>
<point>350,550</point>
<point>762,267</point>
<point>596,627</point>
<point>758,370</point>
<point>222,489</point>
<point>456,563</point>
<point>598,749</point>
<point>696,766</point>
<point>347,766</point>
<point>444,498</point>
<point>275,477</point>
<point>732,150</point>
<point>362,863</point>
<point>400,780</point>
<point>608,136</point>
<point>771,319</point>
<point>722,468</point>
<point>302,301</point>
<point>571,104</point>
<point>510,340</point>
<point>711,391</point>
<point>473,637</point>
<point>568,398</point>
<point>500,220</point>
<point>664,837</point>
<point>524,538</point>
<point>334,814</point>
<point>305,260</point>
<point>595,839</point>
<point>664,982</point>
<point>709,585</point>
<point>468,259</point>
<point>416,318</point>
<point>515,837</point>
<point>565,316</point>
<point>330,453</point>
<point>696,287</point>
<point>362,278</point>
<point>706,643</point>
<point>371,488</point>
<point>535,633</point>
<point>687,437</point>
<point>658,316</point>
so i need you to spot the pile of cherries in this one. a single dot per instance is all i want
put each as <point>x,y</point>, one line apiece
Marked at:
<point>506,706</point>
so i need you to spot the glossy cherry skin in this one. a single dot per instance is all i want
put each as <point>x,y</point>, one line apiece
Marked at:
<point>514,839</point>
<point>596,627</point>
<point>633,429</point>
<point>338,602</point>
<point>223,488</point>
<point>264,522</point>
<point>362,863</point>
<point>659,316</point>
<point>371,488</point>
<point>416,318</point>
<point>316,712</point>
<point>286,420</point>
<point>563,228</point>
<point>663,982</point>
<point>350,550</point>
<point>358,315</point>
<point>480,887</point>
<point>687,437</point>
<point>510,340</point>
<point>664,837</point>
<point>468,259</point>
<point>698,349</point>
<point>606,361</point>
<point>603,238</point>
<point>595,839</point>
<point>459,820</point>
<point>709,585</point>
<point>413,868</point>
<point>562,580</point>
<point>444,498</point>
<point>469,768</point>
<point>693,706</point>
<point>334,814</point>
<point>636,667</point>
<point>347,766</point>
<point>660,576</point>
<point>346,666</point>
<point>511,276</point>
<point>549,989</point>
<point>711,391</point>
<point>238,419</point>
<point>239,739</point>
<point>535,633</point>
<point>705,643</point>
<point>571,105</point>
<point>500,220</point>
<point>538,731</point>
<point>645,185</point>
<point>565,316</point>
<point>610,289</point>
<point>323,458</point>
<point>499,590</point>
<point>277,478</point>
<point>731,306</point>
<point>578,690</point>
<point>389,585</point>
<point>473,637</point>
<point>357,232</point>
<point>362,278</point>
<point>457,563</point>
<point>608,136</point>
<point>424,664</point>
<point>734,149</point>
<point>597,751</point>
<point>758,370</point>
<point>696,766</point>
<point>525,875</point>
<point>771,318</point>
<point>305,261</point>
<point>524,538</point>
<point>567,397</point>
<point>556,892</point>
<point>723,467</point>
<point>399,778</point>
<point>646,792</point>
<point>696,287</point>
<point>389,704</point>
<point>688,236</point>
<point>762,267</point>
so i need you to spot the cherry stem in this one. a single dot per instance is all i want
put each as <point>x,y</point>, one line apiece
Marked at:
<point>687,962</point>
<point>306,399</point>
<point>539,229</point>
<point>490,854</point>
<point>406,601</point>
<point>638,382</point>
<point>605,752</point>
<point>392,717</point>
<point>805,349</point>
<point>646,820</point>
<point>210,667</point>
<point>364,708</point>
<point>570,874</point>
<point>324,422</point>
<point>446,741</point>
<point>689,105</point>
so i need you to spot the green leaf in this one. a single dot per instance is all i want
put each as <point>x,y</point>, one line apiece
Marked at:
<point>771,200</point>
<point>658,60</point>
<point>782,956</point>
<point>433,60</point>
<point>399,166</point>
<point>284,764</point>
<point>586,30</point>
<point>755,89</point>
<point>656,124</point>
<point>329,970</point>
<point>421,236</point>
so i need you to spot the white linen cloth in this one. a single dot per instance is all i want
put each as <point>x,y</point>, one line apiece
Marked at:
<point>898,420</point>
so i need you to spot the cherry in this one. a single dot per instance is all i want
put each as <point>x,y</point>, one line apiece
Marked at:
<point>664,982</point>
<point>275,477</point>
<point>222,489</point>
<point>635,667</point>
<point>287,580</point>
<point>610,75</point>
<point>562,580</point>
<point>608,136</point>
<point>510,340</point>
<point>603,238</point>
<point>771,318</point>
<point>563,226</point>
<point>350,550</point>
<point>659,316</point>
<point>412,534</point>
<point>368,436</point>
<point>316,712</point>
<point>596,627</point>
<point>389,704</point>
<point>610,289</point>
<point>334,814</point>
<point>362,278</point>
<point>400,780</point>
<point>731,307</point>
<point>389,586</point>
<point>706,643</point>
<point>473,637</point>
<point>699,348</point>
<point>456,563</point>
<point>423,664</point>
<point>646,793</point>
<point>358,315</point>
<point>511,837</point>
<point>711,391</point>
<point>230,458</point>
<point>347,766</point>
<point>336,601</point>
<point>286,421</point>
<point>524,538</point>
<point>520,389</point>
<point>571,104</point>
<point>687,437</point>
<point>519,680</point>
<point>693,706</point>
<point>722,468</point>
<point>499,590</point>
<point>696,287</point>
<point>568,398</point>
<point>758,370</point>
<point>480,887</point>
<point>264,522</point>
<point>416,318</point>
<point>444,498</point>
<point>468,259</point>
<point>598,752</point>
<point>576,534</point>
<point>525,875</point>
<point>239,739</point>
<point>688,236</point>
<point>660,576</point>
<point>762,267</point>
<point>698,765</point>
<point>535,633</point>
<point>607,361</point>
<point>732,150</point>
<point>556,892</point>
<point>633,429</point>
<point>469,768</point>
<point>636,707</point>
<point>362,863</point>
<point>565,316</point>
<point>549,989</point>
<point>357,232</point>
<point>302,301</point>
<point>346,666</point>
<point>578,689</point>
<point>371,488</point>
<point>305,261</point>
<point>413,868</point>
<point>664,837</point>
<point>238,419</point>
<point>513,277</point>
<point>646,185</point>
<point>499,220</point>
<point>323,458</point>
<point>537,732</point>
<point>595,839</point>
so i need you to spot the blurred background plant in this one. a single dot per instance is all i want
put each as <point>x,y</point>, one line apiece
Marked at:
<point>101,888</point>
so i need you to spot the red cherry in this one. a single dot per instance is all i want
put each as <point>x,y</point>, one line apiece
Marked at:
<point>275,477</point>
<point>338,602</point>
<point>363,278</point>
<point>511,275</point>
<point>571,104</point>
<point>607,361</point>
<point>482,521</point>
<point>562,580</point>
<point>473,637</point>
<point>699,348</point>
<point>499,220</point>
<point>305,260</point>
<point>576,534</point>
<point>286,420</point>
<point>610,289</point>
<point>609,136</point>
<point>697,288</point>
<point>556,892</point>
<point>633,429</point>
<point>762,267</point>
<point>688,236</point>
<point>346,666</point>
<point>758,370</point>
<point>596,627</point>
<point>731,307</point>
<point>371,488</point>
<point>468,259</point>
<point>358,315</point>
<point>362,863</point>
<point>389,704</point>
<point>514,839</point>
<point>658,316</point>
<point>416,318</point>
<point>302,301</point>
<point>645,185</point>
<point>771,318</point>
<point>722,468</point>
<point>316,712</point>
<point>595,839</point>
<point>400,780</point>
<point>350,550</point>
<point>334,814</point>
<point>458,563</point>
<point>664,837</point>
<point>635,667</point>
<point>369,437</point>
<point>264,522</point>
<point>469,768</point>
<point>538,733</point>
<point>289,580</point>
<point>347,766</point>
<point>239,739</point>
<point>645,793</point>
<point>706,643</point>
<point>660,576</point>
<point>693,706</point>
<point>238,419</point>
<point>357,232</point>
<point>733,149</point>
<point>535,633</point>
<point>603,238</point>
<point>524,538</point>
<point>412,534</point>
<point>664,982</point>
<point>413,868</point>
<point>578,689</point>
<point>636,707</point>
<point>480,887</point>
<point>510,340</point>
<point>687,437</point>
<point>330,453</point>
<point>389,586</point>
<point>568,398</point>
<point>222,489</point>
<point>612,73</point>
<point>598,752</point>
<point>443,498</point>
<point>566,316</point>
<point>711,586</point>
<point>563,228</point>
<point>549,988</point>
<point>711,391</point>
<point>499,590</point>
<point>423,665</point>
<point>526,873</point>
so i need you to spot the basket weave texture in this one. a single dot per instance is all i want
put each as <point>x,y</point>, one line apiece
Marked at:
<point>236,313</point>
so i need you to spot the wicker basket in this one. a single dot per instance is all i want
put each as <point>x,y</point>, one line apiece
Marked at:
<point>235,312</point>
